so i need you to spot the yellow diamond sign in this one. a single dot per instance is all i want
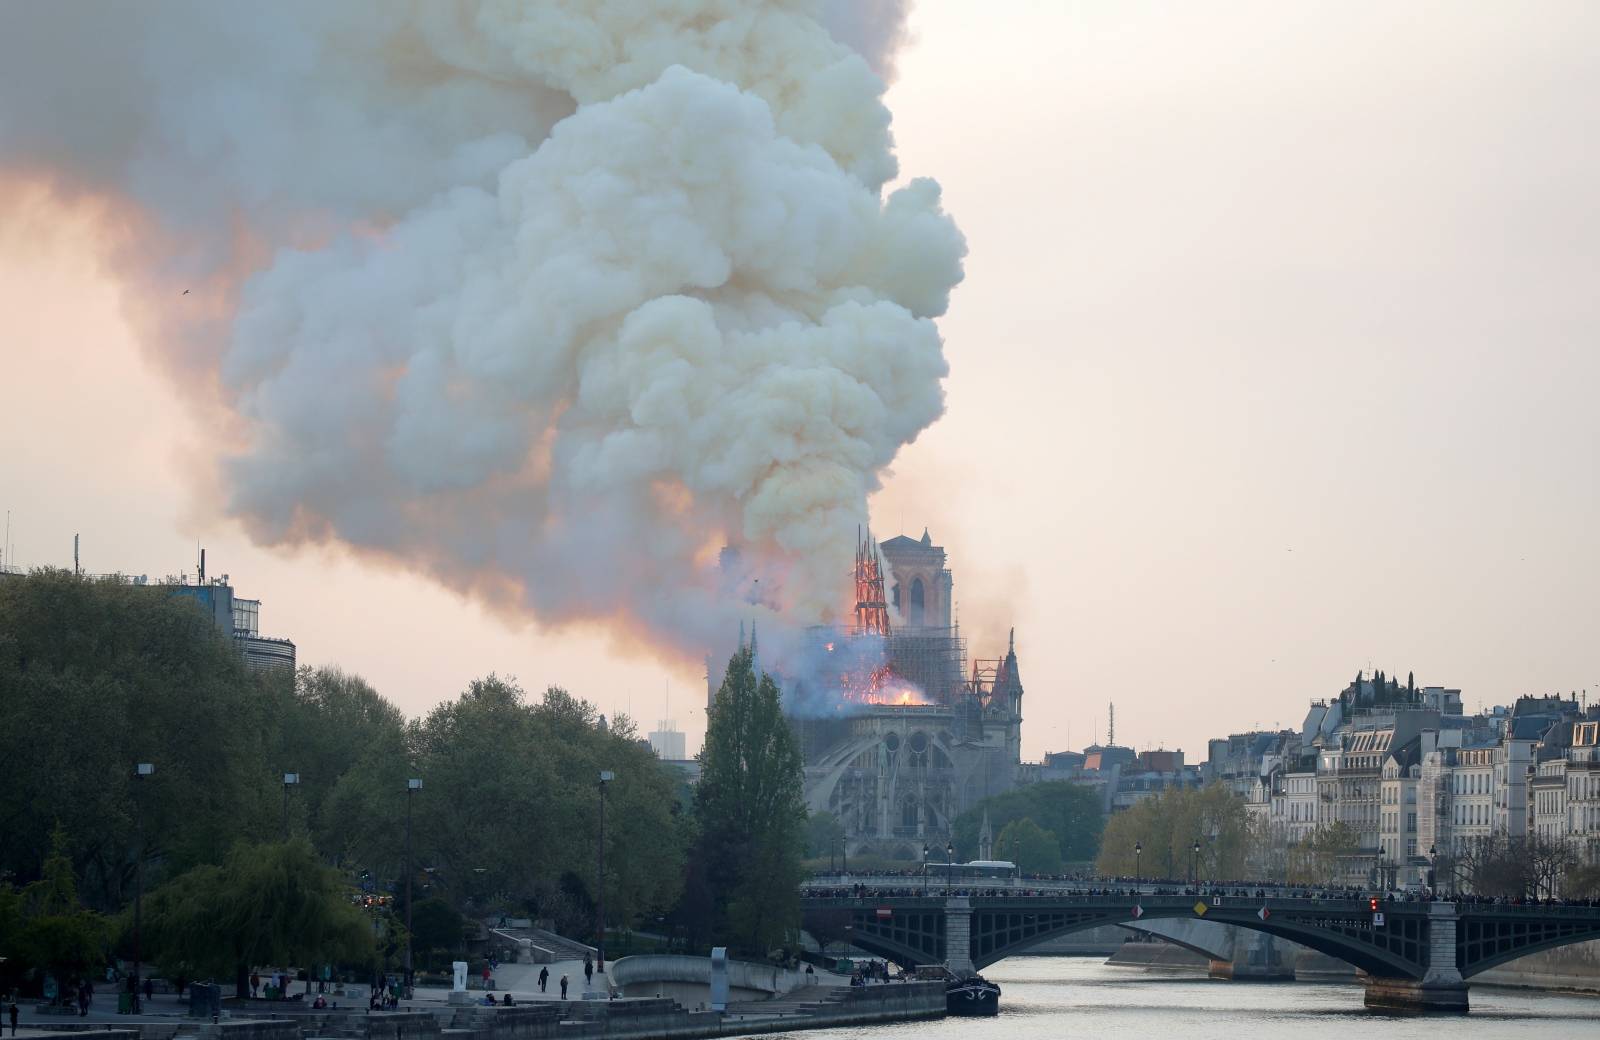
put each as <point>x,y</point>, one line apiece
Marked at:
<point>1200,908</point>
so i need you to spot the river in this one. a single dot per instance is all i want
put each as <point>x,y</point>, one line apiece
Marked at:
<point>1082,997</point>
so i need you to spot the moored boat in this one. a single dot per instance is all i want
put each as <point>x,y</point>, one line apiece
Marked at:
<point>964,995</point>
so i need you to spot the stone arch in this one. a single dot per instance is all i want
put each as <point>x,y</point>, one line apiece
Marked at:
<point>919,601</point>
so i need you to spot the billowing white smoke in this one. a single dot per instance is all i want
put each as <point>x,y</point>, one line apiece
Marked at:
<point>547,300</point>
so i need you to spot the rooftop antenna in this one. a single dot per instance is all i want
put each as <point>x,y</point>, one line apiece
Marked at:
<point>76,570</point>
<point>1111,727</point>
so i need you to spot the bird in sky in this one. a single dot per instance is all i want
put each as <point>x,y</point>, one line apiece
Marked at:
<point>184,293</point>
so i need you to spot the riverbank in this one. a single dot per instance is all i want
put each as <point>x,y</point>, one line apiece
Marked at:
<point>619,1019</point>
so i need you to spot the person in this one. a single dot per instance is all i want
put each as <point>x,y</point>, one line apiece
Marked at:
<point>12,1012</point>
<point>811,976</point>
<point>255,984</point>
<point>544,977</point>
<point>588,972</point>
<point>372,1001</point>
<point>487,974</point>
<point>83,999</point>
<point>488,1000</point>
<point>563,987</point>
<point>320,1003</point>
<point>149,988</point>
<point>506,1001</point>
<point>327,976</point>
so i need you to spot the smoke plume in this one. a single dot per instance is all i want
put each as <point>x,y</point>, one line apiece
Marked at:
<point>548,301</point>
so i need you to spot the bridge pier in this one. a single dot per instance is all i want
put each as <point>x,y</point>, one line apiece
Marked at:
<point>1441,988</point>
<point>958,934</point>
<point>1257,957</point>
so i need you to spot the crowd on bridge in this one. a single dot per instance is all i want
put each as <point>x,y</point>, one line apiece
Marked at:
<point>909,885</point>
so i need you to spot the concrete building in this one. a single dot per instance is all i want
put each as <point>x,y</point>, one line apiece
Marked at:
<point>668,742</point>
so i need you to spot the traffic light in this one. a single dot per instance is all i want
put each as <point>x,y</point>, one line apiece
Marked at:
<point>1372,904</point>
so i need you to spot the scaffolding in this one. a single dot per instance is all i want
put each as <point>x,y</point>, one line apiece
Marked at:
<point>872,608</point>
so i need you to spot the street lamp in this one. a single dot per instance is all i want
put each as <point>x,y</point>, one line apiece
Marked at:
<point>413,785</point>
<point>1194,861</point>
<point>1432,852</point>
<point>606,776</point>
<point>924,868</point>
<point>289,780</point>
<point>949,863</point>
<point>1138,851</point>
<point>140,772</point>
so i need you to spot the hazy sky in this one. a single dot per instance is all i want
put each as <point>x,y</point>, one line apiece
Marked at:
<point>1275,359</point>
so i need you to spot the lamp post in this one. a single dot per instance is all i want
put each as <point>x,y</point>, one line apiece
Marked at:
<point>413,785</point>
<point>924,868</point>
<point>606,776</point>
<point>949,863</point>
<point>140,771</point>
<point>289,780</point>
<point>1194,861</point>
<point>1138,851</point>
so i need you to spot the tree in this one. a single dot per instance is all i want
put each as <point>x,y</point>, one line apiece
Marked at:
<point>436,926</point>
<point>1165,828</point>
<point>1068,810</point>
<point>266,904</point>
<point>750,811</point>
<point>1322,856</point>
<point>1033,849</point>
<point>52,930</point>
<point>824,832</point>
<point>96,676</point>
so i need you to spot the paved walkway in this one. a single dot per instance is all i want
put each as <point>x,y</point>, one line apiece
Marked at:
<point>522,980</point>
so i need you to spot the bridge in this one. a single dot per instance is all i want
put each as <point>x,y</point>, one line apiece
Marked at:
<point>1412,955</point>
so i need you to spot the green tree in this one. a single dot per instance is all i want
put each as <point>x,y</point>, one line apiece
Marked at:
<point>267,904</point>
<point>52,931</point>
<point>1032,848</point>
<point>1068,810</point>
<point>96,676</point>
<point>750,811</point>
<point>436,927</point>
<point>1165,828</point>
<point>1324,855</point>
<point>823,834</point>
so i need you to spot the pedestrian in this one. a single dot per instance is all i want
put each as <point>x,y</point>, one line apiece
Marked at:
<point>149,988</point>
<point>327,977</point>
<point>488,975</point>
<point>563,987</point>
<point>255,984</point>
<point>588,972</point>
<point>544,977</point>
<point>12,1012</point>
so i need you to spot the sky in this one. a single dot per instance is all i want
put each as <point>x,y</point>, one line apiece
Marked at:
<point>1274,360</point>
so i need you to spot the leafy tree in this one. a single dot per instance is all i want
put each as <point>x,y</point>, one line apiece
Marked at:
<point>750,810</point>
<point>267,904</point>
<point>1068,810</point>
<point>1033,849</point>
<point>436,926</point>
<point>96,676</point>
<point>1321,858</point>
<point>1166,827</point>
<point>823,833</point>
<point>51,929</point>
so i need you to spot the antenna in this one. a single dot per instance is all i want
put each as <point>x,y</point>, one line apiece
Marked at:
<point>1111,727</point>
<point>76,570</point>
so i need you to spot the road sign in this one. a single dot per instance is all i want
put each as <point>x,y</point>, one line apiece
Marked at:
<point>1377,920</point>
<point>1263,913</point>
<point>885,911</point>
<point>1138,912</point>
<point>1200,908</point>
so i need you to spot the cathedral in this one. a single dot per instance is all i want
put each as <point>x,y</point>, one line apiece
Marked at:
<point>929,736</point>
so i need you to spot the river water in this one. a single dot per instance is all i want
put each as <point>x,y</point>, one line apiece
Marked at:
<point>1082,997</point>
